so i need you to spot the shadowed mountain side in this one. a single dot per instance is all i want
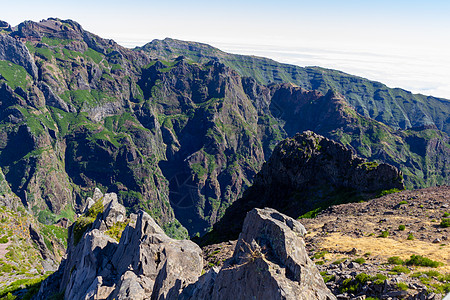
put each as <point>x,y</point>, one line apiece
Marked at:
<point>333,117</point>
<point>304,173</point>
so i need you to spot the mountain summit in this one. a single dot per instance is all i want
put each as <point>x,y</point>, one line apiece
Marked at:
<point>308,173</point>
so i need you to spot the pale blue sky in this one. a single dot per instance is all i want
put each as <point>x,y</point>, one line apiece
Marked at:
<point>401,43</point>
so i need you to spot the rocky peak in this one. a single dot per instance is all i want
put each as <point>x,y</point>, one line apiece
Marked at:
<point>310,110</point>
<point>5,26</point>
<point>144,263</point>
<point>309,172</point>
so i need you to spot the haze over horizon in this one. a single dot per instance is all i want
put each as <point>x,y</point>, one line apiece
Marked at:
<point>403,44</point>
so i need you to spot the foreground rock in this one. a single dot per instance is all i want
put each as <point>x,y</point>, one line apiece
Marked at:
<point>145,264</point>
<point>269,261</point>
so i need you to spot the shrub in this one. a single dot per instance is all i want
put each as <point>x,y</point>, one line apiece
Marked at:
<point>432,273</point>
<point>80,227</point>
<point>349,285</point>
<point>445,223</point>
<point>401,269</point>
<point>441,288</point>
<point>359,260</point>
<point>401,227</point>
<point>418,260</point>
<point>384,234</point>
<point>402,202</point>
<point>95,209</point>
<point>446,214</point>
<point>445,278</point>
<point>362,278</point>
<point>395,260</point>
<point>402,286</point>
<point>320,254</point>
<point>387,192</point>
<point>379,279</point>
<point>4,239</point>
<point>116,230</point>
<point>327,277</point>
<point>338,261</point>
<point>410,237</point>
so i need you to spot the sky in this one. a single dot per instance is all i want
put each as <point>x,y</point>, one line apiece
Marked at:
<point>400,43</point>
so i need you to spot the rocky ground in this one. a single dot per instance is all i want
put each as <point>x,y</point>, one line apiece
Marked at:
<point>352,245</point>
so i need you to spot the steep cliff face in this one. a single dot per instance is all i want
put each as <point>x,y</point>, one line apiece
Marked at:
<point>70,113</point>
<point>107,260</point>
<point>211,130</point>
<point>309,172</point>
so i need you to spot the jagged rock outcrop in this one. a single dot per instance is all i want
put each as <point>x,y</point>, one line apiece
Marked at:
<point>309,172</point>
<point>5,25</point>
<point>145,264</point>
<point>52,99</point>
<point>49,260</point>
<point>269,262</point>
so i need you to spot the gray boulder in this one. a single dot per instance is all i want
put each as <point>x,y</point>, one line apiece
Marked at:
<point>269,262</point>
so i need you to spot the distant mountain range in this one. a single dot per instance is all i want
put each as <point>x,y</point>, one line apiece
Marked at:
<point>395,107</point>
<point>180,129</point>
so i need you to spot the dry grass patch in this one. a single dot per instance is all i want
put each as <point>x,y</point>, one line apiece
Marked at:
<point>387,247</point>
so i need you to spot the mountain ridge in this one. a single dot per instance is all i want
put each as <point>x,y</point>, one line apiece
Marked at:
<point>365,95</point>
<point>177,138</point>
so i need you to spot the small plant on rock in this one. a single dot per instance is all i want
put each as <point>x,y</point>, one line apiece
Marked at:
<point>401,227</point>
<point>337,262</point>
<point>384,234</point>
<point>395,260</point>
<point>400,269</point>
<point>445,223</point>
<point>320,254</point>
<point>359,260</point>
